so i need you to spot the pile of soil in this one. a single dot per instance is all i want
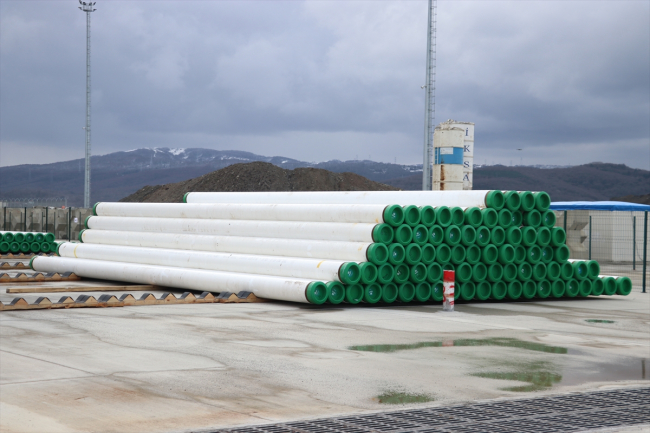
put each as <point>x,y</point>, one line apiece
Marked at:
<point>258,176</point>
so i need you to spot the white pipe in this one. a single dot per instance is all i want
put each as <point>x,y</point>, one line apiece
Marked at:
<point>352,251</point>
<point>403,198</point>
<point>348,213</point>
<point>263,286</point>
<point>362,232</point>
<point>312,269</point>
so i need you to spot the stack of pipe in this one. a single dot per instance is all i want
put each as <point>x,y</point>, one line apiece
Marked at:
<point>337,247</point>
<point>26,242</point>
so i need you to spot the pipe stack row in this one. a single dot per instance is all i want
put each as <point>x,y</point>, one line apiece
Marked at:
<point>337,247</point>
<point>26,242</point>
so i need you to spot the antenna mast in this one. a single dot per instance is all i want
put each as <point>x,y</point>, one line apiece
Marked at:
<point>430,98</point>
<point>87,8</point>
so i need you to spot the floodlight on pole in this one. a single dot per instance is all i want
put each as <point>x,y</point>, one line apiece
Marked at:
<point>87,7</point>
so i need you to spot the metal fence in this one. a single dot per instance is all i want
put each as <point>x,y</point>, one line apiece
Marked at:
<point>618,240</point>
<point>64,223</point>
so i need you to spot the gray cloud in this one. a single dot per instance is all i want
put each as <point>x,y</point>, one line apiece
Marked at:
<point>567,81</point>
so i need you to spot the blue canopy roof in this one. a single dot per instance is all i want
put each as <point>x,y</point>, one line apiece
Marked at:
<point>599,205</point>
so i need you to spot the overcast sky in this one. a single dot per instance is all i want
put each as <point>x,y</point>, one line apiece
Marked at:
<point>567,81</point>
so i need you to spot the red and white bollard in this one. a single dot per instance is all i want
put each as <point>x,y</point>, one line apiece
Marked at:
<point>448,290</point>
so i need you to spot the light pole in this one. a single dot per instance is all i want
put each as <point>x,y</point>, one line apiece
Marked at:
<point>87,8</point>
<point>430,98</point>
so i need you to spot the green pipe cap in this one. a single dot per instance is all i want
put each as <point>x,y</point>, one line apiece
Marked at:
<point>489,254</point>
<point>418,273</point>
<point>547,254</point>
<point>335,292</point>
<point>515,289</point>
<point>495,273</point>
<point>463,272</point>
<point>423,292</point>
<point>505,218</point>
<point>517,219</point>
<point>533,254</point>
<point>483,290</point>
<point>86,221</point>
<point>95,208</point>
<point>31,263</point>
<point>185,197</point>
<point>383,233</point>
<point>437,290</point>
<point>506,254</point>
<point>353,293</point>
<point>385,273</point>
<point>558,288</point>
<point>394,215</point>
<point>457,216</point>
<point>499,290</point>
<point>429,254</point>
<point>458,254</point>
<point>539,271</point>
<point>389,293</point>
<point>610,286</point>
<point>473,217</point>
<point>443,216</point>
<point>411,215</point>
<point>35,247</point>
<point>81,235</point>
<point>566,271</point>
<point>434,273</point>
<point>543,289</point>
<point>558,236</point>
<point>472,254</point>
<point>468,235</point>
<point>401,273</point>
<point>436,235</point>
<point>527,201</point>
<point>520,254</point>
<point>584,288</point>
<point>316,292</point>
<point>452,235</point>
<point>406,292</point>
<point>468,291</point>
<point>561,254</point>
<point>479,272</point>
<point>413,254</point>
<point>420,234</point>
<point>553,271</point>
<point>350,273</point>
<point>495,200</point>
<point>513,200</point>
<point>403,234</point>
<point>597,287</point>
<point>542,201</point>
<point>580,270</point>
<point>443,254</point>
<point>524,271</point>
<point>593,269</point>
<point>533,218</point>
<point>490,217</point>
<point>372,293</point>
<point>529,289</point>
<point>572,288</point>
<point>548,219</point>
<point>49,237</point>
<point>427,216</point>
<point>396,254</point>
<point>498,236</point>
<point>482,236</point>
<point>623,286</point>
<point>543,236</point>
<point>377,254</point>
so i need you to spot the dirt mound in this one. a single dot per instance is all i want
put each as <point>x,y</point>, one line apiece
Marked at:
<point>258,176</point>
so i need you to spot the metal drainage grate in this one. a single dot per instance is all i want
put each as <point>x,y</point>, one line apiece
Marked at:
<point>567,413</point>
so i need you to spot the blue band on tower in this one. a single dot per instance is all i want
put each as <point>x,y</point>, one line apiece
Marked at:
<point>448,155</point>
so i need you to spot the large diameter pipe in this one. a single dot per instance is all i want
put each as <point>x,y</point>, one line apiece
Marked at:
<point>263,286</point>
<point>347,213</point>
<point>351,232</point>
<point>312,269</point>
<point>418,198</point>
<point>352,251</point>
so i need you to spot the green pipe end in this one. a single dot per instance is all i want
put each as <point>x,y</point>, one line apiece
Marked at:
<point>580,270</point>
<point>527,201</point>
<point>504,218</point>
<point>490,217</point>
<point>463,272</point>
<point>547,254</point>
<point>4,247</point>
<point>467,291</point>
<point>39,237</point>
<point>542,201</point>
<point>350,272</point>
<point>45,247</point>
<point>482,236</point>
<point>436,235</point>
<point>495,200</point>
<point>353,294</point>
<point>458,254</point>
<point>437,290</point>
<point>452,235</point>
<point>524,271</point>
<point>411,215</point>
<point>509,272</point>
<point>483,290</point>
<point>529,289</point>
<point>31,263</point>
<point>553,271</point>
<point>457,216</point>
<point>520,254</point>
<point>584,288</point>
<point>423,292</point>
<point>81,235</point>
<point>479,272</point>
<point>396,254</point>
<point>429,254</point>
<point>420,234</point>
<point>472,254</point>
<point>377,253</point>
<point>597,287</point>
<point>610,285</point>
<point>593,269</point>
<point>558,236</point>
<point>572,288</point>
<point>489,254</point>
<point>495,273</point>
<point>316,292</point>
<point>497,236</point>
<point>418,273</point>
<point>185,197</point>
<point>383,233</point>
<point>95,208</point>
<point>19,237</point>
<point>543,289</point>
<point>443,254</point>
<point>368,273</point>
<point>512,200</point>
<point>389,293</point>
<point>24,247</point>
<point>533,254</point>
<point>499,290</point>
<point>533,218</point>
<point>468,235</point>
<point>403,234</point>
<point>623,286</point>
<point>506,254</point>
<point>372,293</point>
<point>517,218</point>
<point>543,236</point>
<point>528,236</point>
<point>385,273</point>
<point>413,254</point>
<point>401,273</point>
<point>443,216</point>
<point>515,289</point>
<point>35,247</point>
<point>548,219</point>
<point>566,271</point>
<point>406,292</point>
<point>434,273</point>
<point>539,271</point>
<point>86,221</point>
<point>29,237</point>
<point>335,292</point>
<point>558,288</point>
<point>394,215</point>
<point>49,237</point>
<point>473,217</point>
<point>513,236</point>
<point>427,216</point>
<point>561,254</point>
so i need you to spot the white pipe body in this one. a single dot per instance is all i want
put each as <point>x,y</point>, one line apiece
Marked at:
<point>312,269</point>
<point>347,213</point>
<point>403,198</point>
<point>361,232</point>
<point>263,286</point>
<point>349,251</point>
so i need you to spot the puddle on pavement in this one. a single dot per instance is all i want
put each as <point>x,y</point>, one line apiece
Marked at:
<point>502,342</point>
<point>599,321</point>
<point>403,398</point>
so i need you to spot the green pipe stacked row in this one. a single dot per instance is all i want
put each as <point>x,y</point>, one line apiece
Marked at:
<point>26,242</point>
<point>509,250</point>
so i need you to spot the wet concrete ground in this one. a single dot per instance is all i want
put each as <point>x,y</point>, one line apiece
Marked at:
<point>197,367</point>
